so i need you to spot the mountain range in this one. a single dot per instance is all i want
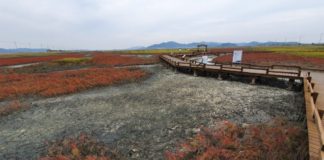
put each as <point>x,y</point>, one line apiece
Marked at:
<point>173,45</point>
<point>21,50</point>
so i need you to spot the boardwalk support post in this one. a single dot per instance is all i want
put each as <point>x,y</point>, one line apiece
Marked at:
<point>291,84</point>
<point>253,80</point>
<point>195,73</point>
<point>220,76</point>
<point>175,70</point>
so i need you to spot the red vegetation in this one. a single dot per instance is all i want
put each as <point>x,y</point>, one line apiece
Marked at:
<point>56,83</point>
<point>25,60</point>
<point>121,60</point>
<point>272,142</point>
<point>267,58</point>
<point>81,148</point>
<point>11,107</point>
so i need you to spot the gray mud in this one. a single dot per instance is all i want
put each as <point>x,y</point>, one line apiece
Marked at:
<point>143,119</point>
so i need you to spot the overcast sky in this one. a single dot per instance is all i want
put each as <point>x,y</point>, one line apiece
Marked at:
<point>114,24</point>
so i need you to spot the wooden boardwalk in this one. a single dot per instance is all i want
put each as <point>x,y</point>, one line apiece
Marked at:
<point>313,85</point>
<point>276,71</point>
<point>314,112</point>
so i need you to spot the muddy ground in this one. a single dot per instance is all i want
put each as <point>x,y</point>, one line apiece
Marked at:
<point>143,119</point>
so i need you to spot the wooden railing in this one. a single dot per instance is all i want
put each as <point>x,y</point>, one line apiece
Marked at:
<point>311,98</point>
<point>274,69</point>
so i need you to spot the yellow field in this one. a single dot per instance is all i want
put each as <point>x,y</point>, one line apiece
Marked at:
<point>72,60</point>
<point>156,51</point>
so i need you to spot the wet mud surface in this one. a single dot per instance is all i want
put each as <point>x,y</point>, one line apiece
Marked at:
<point>143,119</point>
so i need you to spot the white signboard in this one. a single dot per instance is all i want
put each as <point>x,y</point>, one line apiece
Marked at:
<point>205,59</point>
<point>237,56</point>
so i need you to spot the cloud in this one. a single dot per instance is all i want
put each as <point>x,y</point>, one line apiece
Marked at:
<point>109,24</point>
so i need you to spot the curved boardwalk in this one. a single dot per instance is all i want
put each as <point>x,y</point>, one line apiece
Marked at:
<point>314,100</point>
<point>313,91</point>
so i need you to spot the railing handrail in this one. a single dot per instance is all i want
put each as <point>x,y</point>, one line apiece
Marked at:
<point>315,114</point>
<point>286,66</point>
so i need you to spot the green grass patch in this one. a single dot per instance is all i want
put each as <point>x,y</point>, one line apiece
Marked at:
<point>65,61</point>
<point>19,55</point>
<point>303,50</point>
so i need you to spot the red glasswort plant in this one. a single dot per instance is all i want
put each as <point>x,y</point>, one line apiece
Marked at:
<point>272,142</point>
<point>57,83</point>
<point>83,147</point>
<point>24,60</point>
<point>12,106</point>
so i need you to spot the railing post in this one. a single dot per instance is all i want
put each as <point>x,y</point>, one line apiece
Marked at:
<point>221,67</point>
<point>267,71</point>
<point>299,73</point>
<point>314,96</point>
<point>313,116</point>
<point>313,85</point>
<point>241,69</point>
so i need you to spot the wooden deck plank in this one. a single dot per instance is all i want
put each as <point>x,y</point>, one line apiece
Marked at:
<point>314,145</point>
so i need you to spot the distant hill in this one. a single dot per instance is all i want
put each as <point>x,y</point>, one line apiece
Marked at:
<point>22,50</point>
<point>173,45</point>
<point>137,48</point>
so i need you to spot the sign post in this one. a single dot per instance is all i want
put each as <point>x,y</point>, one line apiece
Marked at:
<point>204,59</point>
<point>237,56</point>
